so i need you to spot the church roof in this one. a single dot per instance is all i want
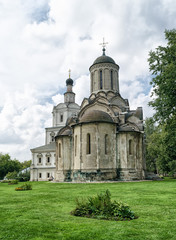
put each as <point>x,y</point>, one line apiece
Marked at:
<point>128,127</point>
<point>104,59</point>
<point>65,131</point>
<point>96,116</point>
<point>69,81</point>
<point>45,148</point>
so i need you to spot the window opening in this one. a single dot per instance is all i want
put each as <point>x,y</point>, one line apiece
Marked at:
<point>88,144</point>
<point>111,79</point>
<point>106,144</point>
<point>130,147</point>
<point>101,80</point>
<point>75,145</point>
<point>61,117</point>
<point>59,150</point>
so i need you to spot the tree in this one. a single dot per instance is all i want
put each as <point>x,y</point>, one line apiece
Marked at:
<point>151,150</point>
<point>7,165</point>
<point>26,164</point>
<point>157,154</point>
<point>162,64</point>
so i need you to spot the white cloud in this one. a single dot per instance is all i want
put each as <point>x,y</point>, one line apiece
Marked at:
<point>41,39</point>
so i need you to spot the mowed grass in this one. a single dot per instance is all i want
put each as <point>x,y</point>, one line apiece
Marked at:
<point>44,212</point>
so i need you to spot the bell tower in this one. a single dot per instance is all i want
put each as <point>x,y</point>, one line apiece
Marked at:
<point>69,96</point>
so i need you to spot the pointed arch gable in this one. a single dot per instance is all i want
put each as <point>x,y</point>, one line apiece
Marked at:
<point>133,119</point>
<point>84,102</point>
<point>129,127</point>
<point>118,101</point>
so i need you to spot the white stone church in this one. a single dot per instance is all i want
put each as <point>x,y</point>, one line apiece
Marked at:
<point>99,141</point>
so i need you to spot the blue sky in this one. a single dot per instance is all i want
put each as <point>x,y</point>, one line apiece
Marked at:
<point>40,40</point>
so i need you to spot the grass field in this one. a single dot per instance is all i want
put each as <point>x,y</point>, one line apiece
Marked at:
<point>44,212</point>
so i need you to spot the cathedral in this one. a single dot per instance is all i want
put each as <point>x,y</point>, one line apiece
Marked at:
<point>101,140</point>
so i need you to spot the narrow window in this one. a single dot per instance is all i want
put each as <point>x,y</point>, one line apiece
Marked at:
<point>40,175</point>
<point>111,79</point>
<point>101,80</point>
<point>88,144</point>
<point>59,150</point>
<point>61,117</point>
<point>75,145</point>
<point>130,147</point>
<point>106,144</point>
<point>48,175</point>
<point>48,159</point>
<point>92,80</point>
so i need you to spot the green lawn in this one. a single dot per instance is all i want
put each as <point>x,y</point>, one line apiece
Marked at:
<point>44,212</point>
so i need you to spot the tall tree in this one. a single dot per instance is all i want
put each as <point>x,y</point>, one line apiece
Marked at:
<point>162,64</point>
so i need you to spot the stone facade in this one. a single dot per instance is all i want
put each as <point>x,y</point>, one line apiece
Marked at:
<point>105,140</point>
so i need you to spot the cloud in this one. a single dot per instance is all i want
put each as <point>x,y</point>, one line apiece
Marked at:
<point>41,39</point>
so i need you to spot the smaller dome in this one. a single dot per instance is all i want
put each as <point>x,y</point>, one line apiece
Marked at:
<point>104,59</point>
<point>96,116</point>
<point>69,81</point>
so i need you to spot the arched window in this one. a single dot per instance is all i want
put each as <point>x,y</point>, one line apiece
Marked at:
<point>101,80</point>
<point>59,150</point>
<point>111,79</point>
<point>106,144</point>
<point>88,149</point>
<point>75,145</point>
<point>130,147</point>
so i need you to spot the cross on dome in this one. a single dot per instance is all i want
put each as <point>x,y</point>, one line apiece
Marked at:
<point>104,45</point>
<point>69,71</point>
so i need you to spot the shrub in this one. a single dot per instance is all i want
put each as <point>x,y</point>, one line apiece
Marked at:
<point>26,186</point>
<point>12,182</point>
<point>11,175</point>
<point>23,177</point>
<point>102,207</point>
<point>5,181</point>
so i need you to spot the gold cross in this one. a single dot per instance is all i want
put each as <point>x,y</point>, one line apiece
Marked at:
<point>69,72</point>
<point>104,43</point>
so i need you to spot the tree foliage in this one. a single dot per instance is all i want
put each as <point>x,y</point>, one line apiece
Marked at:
<point>160,150</point>
<point>162,142</point>
<point>8,165</point>
<point>11,167</point>
<point>162,64</point>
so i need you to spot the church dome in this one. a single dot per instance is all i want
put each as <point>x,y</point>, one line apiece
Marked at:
<point>69,81</point>
<point>104,59</point>
<point>96,116</point>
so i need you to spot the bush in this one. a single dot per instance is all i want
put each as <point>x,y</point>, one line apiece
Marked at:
<point>26,186</point>
<point>5,181</point>
<point>24,177</point>
<point>11,175</point>
<point>12,182</point>
<point>102,207</point>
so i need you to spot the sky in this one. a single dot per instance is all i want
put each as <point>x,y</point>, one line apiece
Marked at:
<point>40,40</point>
